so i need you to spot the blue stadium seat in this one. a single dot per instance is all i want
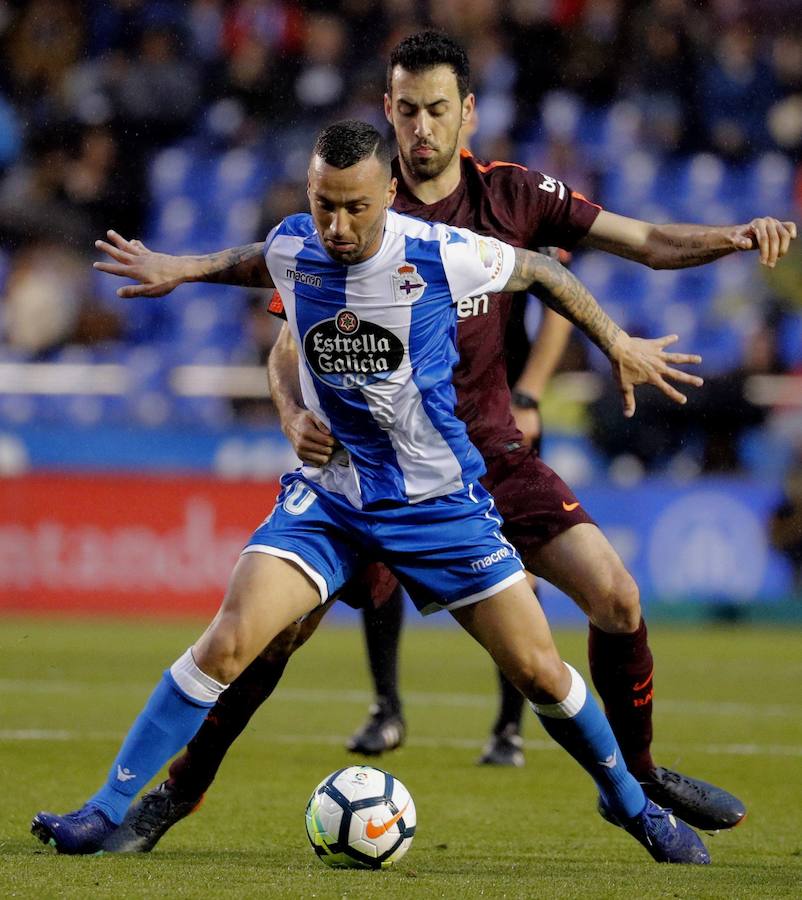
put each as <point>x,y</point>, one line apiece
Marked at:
<point>176,223</point>
<point>765,454</point>
<point>701,179</point>
<point>19,409</point>
<point>790,341</point>
<point>619,133</point>
<point>768,185</point>
<point>631,183</point>
<point>240,222</point>
<point>170,173</point>
<point>721,347</point>
<point>237,174</point>
<point>697,286</point>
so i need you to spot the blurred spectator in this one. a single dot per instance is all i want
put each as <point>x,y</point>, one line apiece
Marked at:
<point>661,71</point>
<point>710,425</point>
<point>784,118</point>
<point>45,40</point>
<point>32,199</point>
<point>323,78</point>
<point>595,53</point>
<point>92,88</point>
<point>736,92</point>
<point>159,91</point>
<point>99,185</point>
<point>48,301</point>
<point>537,43</point>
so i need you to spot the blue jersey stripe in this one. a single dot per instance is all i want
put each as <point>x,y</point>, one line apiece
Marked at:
<point>370,448</point>
<point>430,341</point>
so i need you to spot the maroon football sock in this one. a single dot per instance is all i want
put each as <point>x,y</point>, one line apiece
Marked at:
<point>510,707</point>
<point>621,667</point>
<point>193,771</point>
<point>382,628</point>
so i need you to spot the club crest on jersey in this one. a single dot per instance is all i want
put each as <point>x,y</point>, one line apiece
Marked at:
<point>349,352</point>
<point>407,284</point>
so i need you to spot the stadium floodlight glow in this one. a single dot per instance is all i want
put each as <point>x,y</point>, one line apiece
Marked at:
<point>219,381</point>
<point>63,378</point>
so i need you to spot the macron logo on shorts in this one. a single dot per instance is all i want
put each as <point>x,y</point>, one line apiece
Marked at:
<point>480,564</point>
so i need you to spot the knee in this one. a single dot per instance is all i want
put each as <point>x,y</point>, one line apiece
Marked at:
<point>615,605</point>
<point>540,678</point>
<point>222,654</point>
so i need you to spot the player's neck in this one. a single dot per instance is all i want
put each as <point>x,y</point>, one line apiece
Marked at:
<point>434,189</point>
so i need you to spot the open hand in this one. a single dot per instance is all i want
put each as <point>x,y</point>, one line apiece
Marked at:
<point>157,273</point>
<point>770,236</point>
<point>644,361</point>
<point>311,440</point>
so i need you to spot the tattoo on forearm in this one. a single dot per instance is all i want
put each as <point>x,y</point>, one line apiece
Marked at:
<point>242,266</point>
<point>680,246</point>
<point>565,294</point>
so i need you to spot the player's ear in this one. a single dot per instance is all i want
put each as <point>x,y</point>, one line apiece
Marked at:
<point>388,109</point>
<point>391,192</point>
<point>468,108</point>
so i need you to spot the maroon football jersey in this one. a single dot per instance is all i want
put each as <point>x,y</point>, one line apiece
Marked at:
<point>523,208</point>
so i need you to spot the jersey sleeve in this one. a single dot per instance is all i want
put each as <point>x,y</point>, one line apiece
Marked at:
<point>551,213</point>
<point>475,264</point>
<point>275,306</point>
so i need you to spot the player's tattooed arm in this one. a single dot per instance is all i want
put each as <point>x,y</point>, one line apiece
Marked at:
<point>160,273</point>
<point>243,266</point>
<point>564,293</point>
<point>681,246</point>
<point>634,360</point>
<point>310,438</point>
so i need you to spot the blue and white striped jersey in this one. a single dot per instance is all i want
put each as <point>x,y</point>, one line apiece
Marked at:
<point>377,346</point>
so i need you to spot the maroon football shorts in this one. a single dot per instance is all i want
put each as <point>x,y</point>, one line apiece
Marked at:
<point>535,503</point>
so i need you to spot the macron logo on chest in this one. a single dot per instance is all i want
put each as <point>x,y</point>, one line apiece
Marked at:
<point>304,278</point>
<point>408,286</point>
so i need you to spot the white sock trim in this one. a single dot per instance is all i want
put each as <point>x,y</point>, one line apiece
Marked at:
<point>194,682</point>
<point>571,705</point>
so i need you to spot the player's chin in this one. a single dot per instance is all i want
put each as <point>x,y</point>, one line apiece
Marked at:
<point>346,257</point>
<point>426,168</point>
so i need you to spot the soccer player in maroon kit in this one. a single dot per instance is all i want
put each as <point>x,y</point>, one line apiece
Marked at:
<point>427,103</point>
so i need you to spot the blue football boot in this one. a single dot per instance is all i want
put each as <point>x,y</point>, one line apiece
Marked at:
<point>667,838</point>
<point>82,831</point>
<point>699,803</point>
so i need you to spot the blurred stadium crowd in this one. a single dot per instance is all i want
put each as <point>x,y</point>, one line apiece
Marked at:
<point>188,124</point>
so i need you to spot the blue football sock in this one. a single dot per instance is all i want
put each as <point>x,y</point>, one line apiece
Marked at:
<point>578,724</point>
<point>169,720</point>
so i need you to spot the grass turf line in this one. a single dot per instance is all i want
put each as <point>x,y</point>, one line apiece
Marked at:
<point>73,686</point>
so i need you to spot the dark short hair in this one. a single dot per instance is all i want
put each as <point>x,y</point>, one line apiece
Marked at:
<point>348,142</point>
<point>427,49</point>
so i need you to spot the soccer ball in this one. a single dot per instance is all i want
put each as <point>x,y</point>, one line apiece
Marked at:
<point>360,818</point>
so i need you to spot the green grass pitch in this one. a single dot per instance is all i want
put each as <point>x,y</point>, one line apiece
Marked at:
<point>728,709</point>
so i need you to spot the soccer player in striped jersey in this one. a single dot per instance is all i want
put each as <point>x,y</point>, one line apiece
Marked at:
<point>428,101</point>
<point>370,298</point>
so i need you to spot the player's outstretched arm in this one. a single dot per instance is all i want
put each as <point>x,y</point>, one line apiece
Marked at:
<point>160,273</point>
<point>310,438</point>
<point>681,246</point>
<point>634,360</point>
